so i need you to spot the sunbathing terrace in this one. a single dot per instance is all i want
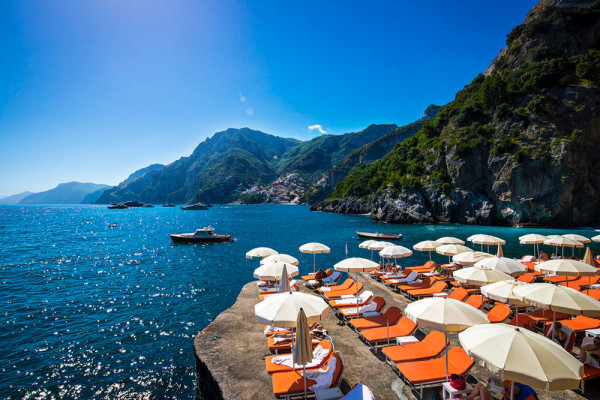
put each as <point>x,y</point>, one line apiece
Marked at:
<point>232,366</point>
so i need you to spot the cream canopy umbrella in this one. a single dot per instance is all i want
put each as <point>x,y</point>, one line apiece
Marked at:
<point>261,252</point>
<point>596,238</point>
<point>379,245</point>
<point>522,356</point>
<point>281,309</point>
<point>366,244</point>
<point>303,352</point>
<point>445,314</point>
<point>356,265</point>
<point>285,258</point>
<point>487,240</point>
<point>452,250</point>
<point>579,238</point>
<point>563,242</point>
<point>470,258</point>
<point>502,264</point>
<point>535,239</point>
<point>567,267</point>
<point>395,252</point>
<point>284,285</point>
<point>272,271</point>
<point>427,245</point>
<point>449,240</point>
<point>480,276</point>
<point>503,291</point>
<point>314,248</point>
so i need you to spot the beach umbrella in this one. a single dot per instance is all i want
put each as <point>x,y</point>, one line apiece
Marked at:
<point>366,244</point>
<point>272,271</point>
<point>281,309</point>
<point>487,240</point>
<point>503,291</point>
<point>535,239</point>
<point>356,265</point>
<point>502,264</point>
<point>427,245</point>
<point>596,238</point>
<point>479,276</point>
<point>452,250</point>
<point>449,240</point>
<point>261,252</point>
<point>284,285</point>
<point>567,267</point>
<point>522,356</point>
<point>379,245</point>
<point>285,258</point>
<point>562,242</point>
<point>499,253</point>
<point>314,249</point>
<point>588,258</point>
<point>303,352</point>
<point>445,314</point>
<point>395,252</point>
<point>558,298</point>
<point>579,238</point>
<point>470,257</point>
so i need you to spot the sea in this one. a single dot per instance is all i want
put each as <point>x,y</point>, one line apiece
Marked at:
<point>90,311</point>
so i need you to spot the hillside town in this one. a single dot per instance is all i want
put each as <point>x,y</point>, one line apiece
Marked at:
<point>285,190</point>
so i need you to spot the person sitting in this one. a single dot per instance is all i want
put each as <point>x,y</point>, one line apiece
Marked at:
<point>381,266</point>
<point>479,392</point>
<point>561,336</point>
<point>543,256</point>
<point>319,276</point>
<point>521,392</point>
<point>394,267</point>
<point>388,266</point>
<point>589,353</point>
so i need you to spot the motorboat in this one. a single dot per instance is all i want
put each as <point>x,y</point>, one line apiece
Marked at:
<point>204,235</point>
<point>119,206</point>
<point>386,236</point>
<point>197,206</point>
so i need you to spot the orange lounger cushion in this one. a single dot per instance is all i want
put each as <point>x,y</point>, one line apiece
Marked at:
<point>581,323</point>
<point>351,291</point>
<point>431,346</point>
<point>390,317</point>
<point>292,382</point>
<point>499,313</point>
<point>590,372</point>
<point>428,265</point>
<point>404,327</point>
<point>459,294</point>
<point>437,287</point>
<point>427,371</point>
<point>595,293</point>
<point>527,278</point>
<point>308,277</point>
<point>374,305</point>
<point>424,284</point>
<point>363,299</point>
<point>273,367</point>
<point>475,300</point>
<point>344,286</point>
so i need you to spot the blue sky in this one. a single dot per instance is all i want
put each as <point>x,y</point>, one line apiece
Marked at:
<point>93,90</point>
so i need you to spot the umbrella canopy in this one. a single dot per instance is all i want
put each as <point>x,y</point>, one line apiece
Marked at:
<point>533,238</point>
<point>367,243</point>
<point>486,239</point>
<point>284,258</point>
<point>567,267</point>
<point>452,249</point>
<point>470,258</point>
<point>379,245</point>
<point>499,253</point>
<point>303,351</point>
<point>314,248</point>
<point>522,356</point>
<point>558,299</point>
<point>576,237</point>
<point>502,264</point>
<point>284,285</point>
<point>588,258</point>
<point>503,291</point>
<point>596,238</point>
<point>427,245</point>
<point>273,271</point>
<point>356,264</point>
<point>562,242</point>
<point>261,252</point>
<point>449,240</point>
<point>282,309</point>
<point>395,252</point>
<point>444,314</point>
<point>479,276</point>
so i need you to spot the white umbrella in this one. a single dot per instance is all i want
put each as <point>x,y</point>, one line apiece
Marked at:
<point>487,240</point>
<point>356,265</point>
<point>503,291</point>
<point>563,242</point>
<point>284,285</point>
<point>470,258</point>
<point>379,245</point>
<point>567,267</point>
<point>261,252</point>
<point>535,239</point>
<point>281,309</point>
<point>449,240</point>
<point>479,276</point>
<point>596,238</point>
<point>523,356</point>
<point>272,271</point>
<point>303,352</point>
<point>285,258</point>
<point>427,245</point>
<point>366,244</point>
<point>314,248</point>
<point>395,252</point>
<point>577,238</point>
<point>445,314</point>
<point>503,264</point>
<point>452,250</point>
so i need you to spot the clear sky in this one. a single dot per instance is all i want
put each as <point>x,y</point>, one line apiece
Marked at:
<point>92,90</point>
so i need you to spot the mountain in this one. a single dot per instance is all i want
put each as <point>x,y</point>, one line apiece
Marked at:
<point>64,193</point>
<point>14,199</point>
<point>367,153</point>
<point>518,145</point>
<point>142,171</point>
<point>232,160</point>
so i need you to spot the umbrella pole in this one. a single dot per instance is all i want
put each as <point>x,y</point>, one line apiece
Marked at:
<point>512,390</point>
<point>356,283</point>
<point>430,256</point>
<point>314,263</point>
<point>303,375</point>
<point>446,336</point>
<point>517,315</point>
<point>553,323</point>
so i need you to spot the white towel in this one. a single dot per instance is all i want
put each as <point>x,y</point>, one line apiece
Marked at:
<point>319,355</point>
<point>272,329</point>
<point>323,377</point>
<point>352,299</point>
<point>370,306</point>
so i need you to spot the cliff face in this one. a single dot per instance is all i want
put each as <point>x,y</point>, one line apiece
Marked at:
<point>518,145</point>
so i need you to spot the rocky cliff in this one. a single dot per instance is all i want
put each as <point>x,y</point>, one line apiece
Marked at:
<point>518,145</point>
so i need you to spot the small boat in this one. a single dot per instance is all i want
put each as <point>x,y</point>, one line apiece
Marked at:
<point>113,225</point>
<point>204,235</point>
<point>197,206</point>
<point>119,206</point>
<point>386,236</point>
<point>147,206</point>
<point>169,205</point>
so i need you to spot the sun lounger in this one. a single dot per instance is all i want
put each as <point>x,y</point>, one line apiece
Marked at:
<point>581,323</point>
<point>331,280</point>
<point>359,392</point>
<point>375,305</point>
<point>420,373</point>
<point>589,373</point>
<point>527,278</point>
<point>410,277</point>
<point>560,279</point>
<point>351,291</point>
<point>390,317</point>
<point>437,287</point>
<point>430,347</point>
<point>374,336</point>
<point>276,344</point>
<point>345,285</point>
<point>282,363</point>
<point>528,259</point>
<point>474,300</point>
<point>427,282</point>
<point>427,266</point>
<point>571,340</point>
<point>308,277</point>
<point>499,313</point>
<point>459,294</point>
<point>595,293</point>
<point>524,321</point>
<point>582,282</point>
<point>289,383</point>
<point>349,301</point>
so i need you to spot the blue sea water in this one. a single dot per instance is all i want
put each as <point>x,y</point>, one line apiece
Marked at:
<point>90,311</point>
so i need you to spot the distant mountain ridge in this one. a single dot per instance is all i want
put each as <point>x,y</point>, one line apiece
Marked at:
<point>14,199</point>
<point>64,193</point>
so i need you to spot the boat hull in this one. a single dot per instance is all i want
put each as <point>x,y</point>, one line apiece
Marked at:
<point>195,239</point>
<point>369,235</point>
